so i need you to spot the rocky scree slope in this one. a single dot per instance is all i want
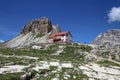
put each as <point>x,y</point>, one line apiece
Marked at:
<point>36,31</point>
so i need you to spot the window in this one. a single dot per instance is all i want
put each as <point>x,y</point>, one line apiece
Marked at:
<point>62,35</point>
<point>66,34</point>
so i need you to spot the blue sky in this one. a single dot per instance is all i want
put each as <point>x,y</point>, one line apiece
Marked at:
<point>84,18</point>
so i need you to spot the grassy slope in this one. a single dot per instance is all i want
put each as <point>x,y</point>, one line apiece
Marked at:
<point>70,53</point>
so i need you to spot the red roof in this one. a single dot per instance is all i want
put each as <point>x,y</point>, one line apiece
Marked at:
<point>57,34</point>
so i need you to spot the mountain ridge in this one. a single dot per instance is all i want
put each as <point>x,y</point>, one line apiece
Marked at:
<point>112,36</point>
<point>69,61</point>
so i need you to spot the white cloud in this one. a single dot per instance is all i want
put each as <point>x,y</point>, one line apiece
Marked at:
<point>114,14</point>
<point>1,41</point>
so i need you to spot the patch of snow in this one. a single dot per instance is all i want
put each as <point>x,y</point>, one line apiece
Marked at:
<point>42,62</point>
<point>65,77</point>
<point>97,68</point>
<point>91,79</point>
<point>4,55</point>
<point>55,79</point>
<point>12,69</point>
<point>59,68</point>
<point>54,63</point>
<point>54,71</point>
<point>101,76</point>
<point>37,47</point>
<point>67,65</point>
<point>28,57</point>
<point>84,68</point>
<point>74,76</point>
<point>41,65</point>
<point>96,71</point>
<point>115,67</point>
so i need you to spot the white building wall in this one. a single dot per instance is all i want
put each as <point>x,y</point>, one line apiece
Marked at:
<point>69,37</point>
<point>63,38</point>
<point>66,38</point>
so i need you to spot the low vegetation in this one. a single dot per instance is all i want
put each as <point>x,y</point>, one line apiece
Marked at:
<point>39,35</point>
<point>15,61</point>
<point>85,48</point>
<point>72,53</point>
<point>107,63</point>
<point>11,76</point>
<point>64,74</point>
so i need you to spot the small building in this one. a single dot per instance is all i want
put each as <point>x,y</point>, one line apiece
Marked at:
<point>60,37</point>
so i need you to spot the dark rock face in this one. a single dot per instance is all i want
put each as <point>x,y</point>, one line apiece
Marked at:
<point>39,26</point>
<point>111,37</point>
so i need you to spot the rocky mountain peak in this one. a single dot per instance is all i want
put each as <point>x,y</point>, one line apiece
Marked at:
<point>35,32</point>
<point>56,29</point>
<point>41,26</point>
<point>115,32</point>
<point>111,37</point>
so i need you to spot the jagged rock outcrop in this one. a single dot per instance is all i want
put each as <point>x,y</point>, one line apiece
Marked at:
<point>108,44</point>
<point>111,37</point>
<point>38,26</point>
<point>56,29</point>
<point>36,31</point>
